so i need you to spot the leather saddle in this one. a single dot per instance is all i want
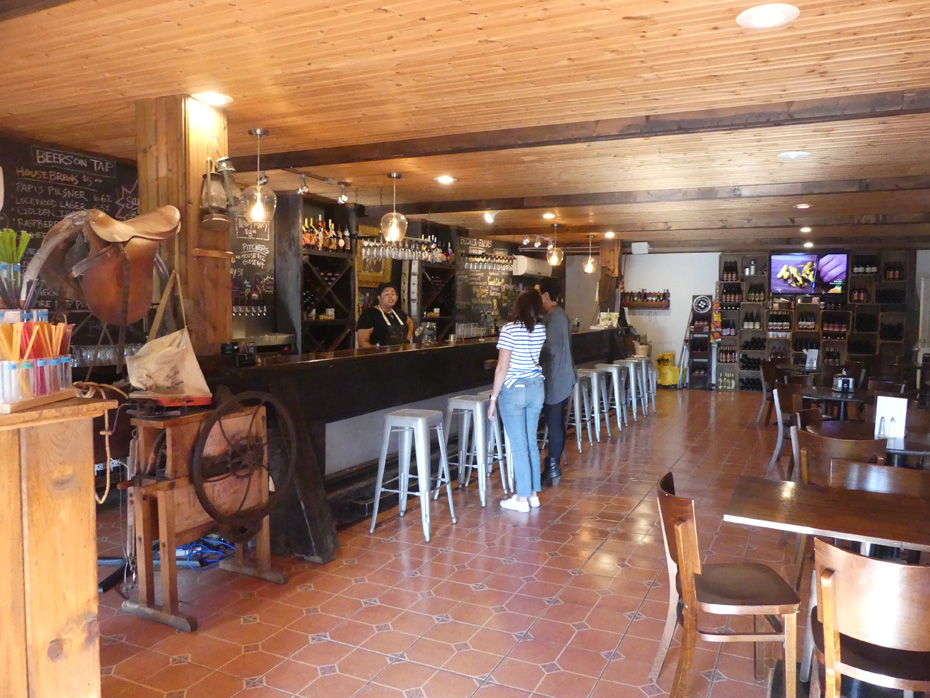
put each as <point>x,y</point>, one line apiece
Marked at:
<point>113,259</point>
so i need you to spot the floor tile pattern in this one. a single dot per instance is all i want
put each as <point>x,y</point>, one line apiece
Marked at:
<point>567,601</point>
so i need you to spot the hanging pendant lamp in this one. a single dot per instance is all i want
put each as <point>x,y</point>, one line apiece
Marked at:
<point>394,224</point>
<point>556,254</point>
<point>258,201</point>
<point>589,264</point>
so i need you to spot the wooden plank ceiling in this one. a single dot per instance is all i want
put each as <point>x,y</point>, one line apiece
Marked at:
<point>354,90</point>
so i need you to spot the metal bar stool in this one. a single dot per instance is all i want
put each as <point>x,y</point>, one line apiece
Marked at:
<point>472,453</point>
<point>497,453</point>
<point>413,428</point>
<point>630,365</point>
<point>580,410</point>
<point>618,392</point>
<point>601,394</point>
<point>642,385</point>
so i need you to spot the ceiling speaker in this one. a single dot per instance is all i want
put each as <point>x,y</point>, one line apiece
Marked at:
<point>640,247</point>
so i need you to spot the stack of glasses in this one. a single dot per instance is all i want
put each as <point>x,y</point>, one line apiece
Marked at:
<point>35,356</point>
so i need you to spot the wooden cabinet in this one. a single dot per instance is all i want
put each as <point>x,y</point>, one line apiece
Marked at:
<point>49,634</point>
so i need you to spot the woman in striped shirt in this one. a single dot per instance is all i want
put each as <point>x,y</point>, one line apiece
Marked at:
<point>518,389</point>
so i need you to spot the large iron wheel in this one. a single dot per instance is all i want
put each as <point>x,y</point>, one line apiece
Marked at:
<point>242,456</point>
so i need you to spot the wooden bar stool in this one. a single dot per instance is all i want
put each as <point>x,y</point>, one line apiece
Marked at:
<point>617,393</point>
<point>631,394</point>
<point>413,429</point>
<point>580,408</point>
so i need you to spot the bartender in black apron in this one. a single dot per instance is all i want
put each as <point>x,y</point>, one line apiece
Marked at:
<point>383,324</point>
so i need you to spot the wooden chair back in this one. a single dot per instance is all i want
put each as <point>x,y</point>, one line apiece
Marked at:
<point>879,386</point>
<point>676,510</point>
<point>884,479</point>
<point>769,375</point>
<point>816,452</point>
<point>803,379</point>
<point>812,415</point>
<point>876,601</point>
<point>918,418</point>
<point>826,375</point>
<point>788,401</point>
<point>858,370</point>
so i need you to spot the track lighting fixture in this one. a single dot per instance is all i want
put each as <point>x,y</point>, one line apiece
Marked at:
<point>343,197</point>
<point>489,217</point>
<point>538,242</point>
<point>303,188</point>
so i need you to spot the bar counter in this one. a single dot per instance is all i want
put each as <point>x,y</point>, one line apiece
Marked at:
<point>340,397</point>
<point>341,384</point>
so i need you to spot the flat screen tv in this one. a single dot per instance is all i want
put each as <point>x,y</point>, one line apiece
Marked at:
<point>831,272</point>
<point>792,273</point>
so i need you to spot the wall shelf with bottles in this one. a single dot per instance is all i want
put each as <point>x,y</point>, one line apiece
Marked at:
<point>656,300</point>
<point>327,305</point>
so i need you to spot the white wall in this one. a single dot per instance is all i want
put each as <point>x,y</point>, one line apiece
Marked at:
<point>581,289</point>
<point>684,275</point>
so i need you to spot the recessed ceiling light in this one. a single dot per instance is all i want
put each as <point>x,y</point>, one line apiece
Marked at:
<point>805,229</point>
<point>794,155</point>
<point>768,16</point>
<point>548,216</point>
<point>214,99</point>
<point>802,205</point>
<point>446,179</point>
<point>808,245</point>
<point>609,234</point>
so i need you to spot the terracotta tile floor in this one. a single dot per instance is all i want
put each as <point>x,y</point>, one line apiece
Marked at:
<point>565,602</point>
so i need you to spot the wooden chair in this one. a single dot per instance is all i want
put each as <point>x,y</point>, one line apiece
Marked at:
<point>787,399</point>
<point>743,588</point>
<point>768,383</point>
<point>879,386</point>
<point>826,375</point>
<point>813,455</point>
<point>805,379</point>
<point>871,623</point>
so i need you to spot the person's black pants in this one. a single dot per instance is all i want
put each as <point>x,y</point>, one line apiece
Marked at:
<point>555,420</point>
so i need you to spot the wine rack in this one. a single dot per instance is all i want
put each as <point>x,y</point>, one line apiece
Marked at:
<point>872,319</point>
<point>437,297</point>
<point>327,300</point>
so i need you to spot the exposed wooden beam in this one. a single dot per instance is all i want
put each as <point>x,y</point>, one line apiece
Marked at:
<point>17,8</point>
<point>614,198</point>
<point>865,106</point>
<point>780,244</point>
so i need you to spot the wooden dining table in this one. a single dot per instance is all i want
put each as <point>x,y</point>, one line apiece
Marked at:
<point>854,515</point>
<point>844,398</point>
<point>912,444</point>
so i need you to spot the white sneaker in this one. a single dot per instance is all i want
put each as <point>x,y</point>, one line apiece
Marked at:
<point>534,502</point>
<point>513,504</point>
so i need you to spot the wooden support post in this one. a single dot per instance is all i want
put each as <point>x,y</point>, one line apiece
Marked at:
<point>175,136</point>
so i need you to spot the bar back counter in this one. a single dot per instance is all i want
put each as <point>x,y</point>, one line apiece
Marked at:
<point>335,399</point>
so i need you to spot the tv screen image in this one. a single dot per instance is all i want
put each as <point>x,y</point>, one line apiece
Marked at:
<point>831,272</point>
<point>793,273</point>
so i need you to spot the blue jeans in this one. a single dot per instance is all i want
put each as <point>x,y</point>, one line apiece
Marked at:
<point>520,407</point>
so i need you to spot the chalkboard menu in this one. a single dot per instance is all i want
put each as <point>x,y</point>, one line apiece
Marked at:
<point>40,185</point>
<point>252,245</point>
<point>482,295</point>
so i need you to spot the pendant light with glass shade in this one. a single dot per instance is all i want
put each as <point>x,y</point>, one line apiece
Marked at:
<point>258,201</point>
<point>556,254</point>
<point>589,264</point>
<point>394,224</point>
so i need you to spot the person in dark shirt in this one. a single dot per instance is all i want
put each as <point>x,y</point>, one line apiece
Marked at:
<point>383,324</point>
<point>559,370</point>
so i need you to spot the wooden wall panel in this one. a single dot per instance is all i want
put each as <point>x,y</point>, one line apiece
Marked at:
<point>13,682</point>
<point>60,551</point>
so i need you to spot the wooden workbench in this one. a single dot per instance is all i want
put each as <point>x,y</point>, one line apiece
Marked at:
<point>48,583</point>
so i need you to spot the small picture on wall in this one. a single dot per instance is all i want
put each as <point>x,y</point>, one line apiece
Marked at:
<point>371,269</point>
